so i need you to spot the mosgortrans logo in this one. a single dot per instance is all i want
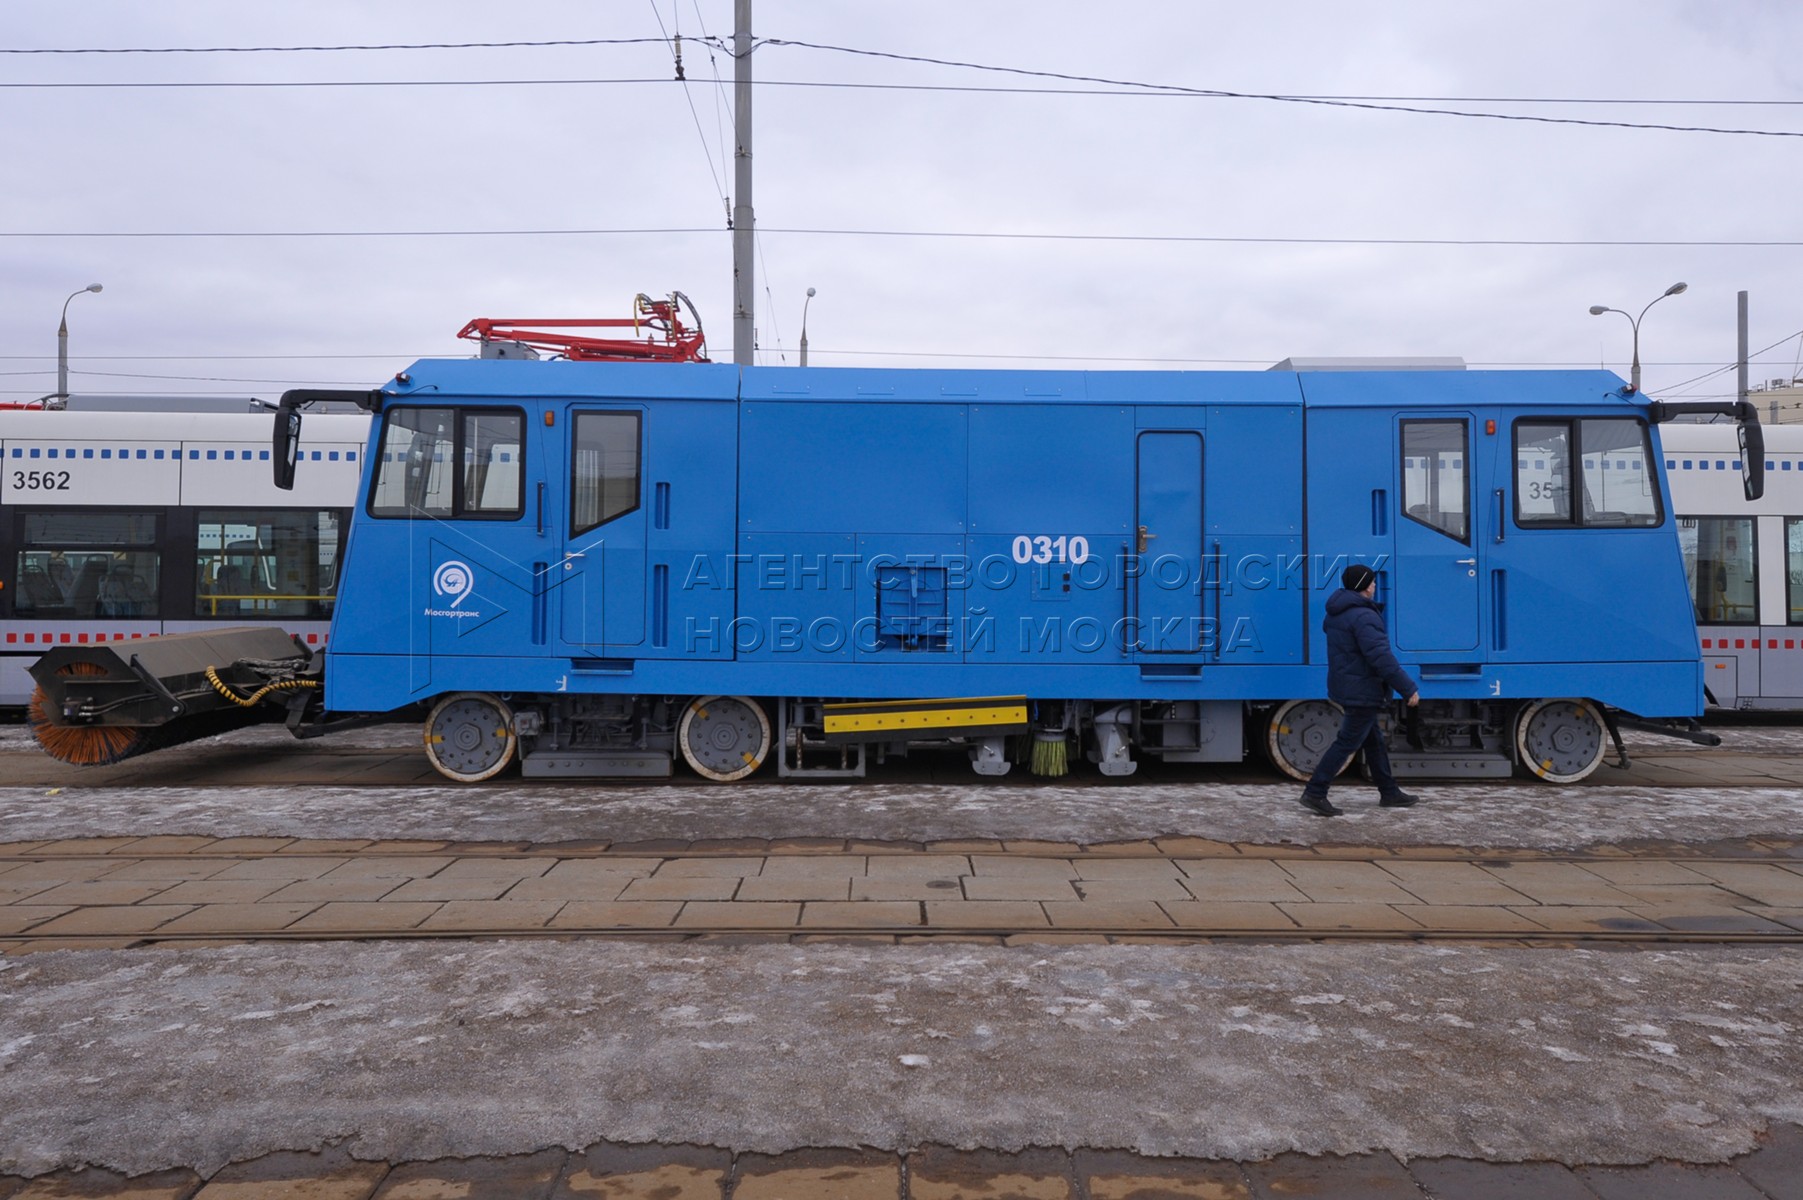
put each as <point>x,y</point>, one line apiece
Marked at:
<point>455,580</point>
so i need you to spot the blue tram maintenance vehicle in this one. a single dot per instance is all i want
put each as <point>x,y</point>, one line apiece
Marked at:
<point>595,568</point>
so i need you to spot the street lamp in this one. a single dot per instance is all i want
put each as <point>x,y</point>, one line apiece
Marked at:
<point>1597,310</point>
<point>62,345</point>
<point>804,327</point>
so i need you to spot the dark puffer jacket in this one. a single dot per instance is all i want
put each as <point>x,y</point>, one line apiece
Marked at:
<point>1361,670</point>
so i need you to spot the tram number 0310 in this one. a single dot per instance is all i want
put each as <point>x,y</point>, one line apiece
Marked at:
<point>41,481</point>
<point>1043,549</point>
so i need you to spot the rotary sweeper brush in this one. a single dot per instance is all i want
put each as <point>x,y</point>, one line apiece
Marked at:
<point>100,703</point>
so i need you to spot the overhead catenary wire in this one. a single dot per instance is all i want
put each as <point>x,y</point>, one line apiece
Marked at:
<point>676,53</point>
<point>1277,97</point>
<point>1139,91</point>
<point>326,49</point>
<point>1415,109</point>
<point>1257,362</point>
<point>1725,368</point>
<point>947,234</point>
<point>721,44</point>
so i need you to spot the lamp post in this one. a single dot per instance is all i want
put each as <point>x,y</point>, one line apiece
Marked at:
<point>804,327</point>
<point>62,345</point>
<point>1597,310</point>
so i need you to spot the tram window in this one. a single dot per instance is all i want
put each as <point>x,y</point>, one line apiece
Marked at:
<point>1618,489</point>
<point>1434,489</point>
<point>270,563</point>
<point>422,448</point>
<point>1721,568</point>
<point>1607,482</point>
<point>414,476</point>
<point>85,564</point>
<point>604,468</point>
<point>492,482</point>
<point>1543,473</point>
<point>1793,565</point>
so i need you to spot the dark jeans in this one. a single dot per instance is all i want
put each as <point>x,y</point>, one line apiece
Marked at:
<point>1358,730</point>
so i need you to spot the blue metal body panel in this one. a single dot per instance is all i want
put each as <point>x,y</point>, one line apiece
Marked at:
<point>1107,535</point>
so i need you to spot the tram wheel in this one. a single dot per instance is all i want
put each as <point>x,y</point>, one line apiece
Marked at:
<point>1299,734</point>
<point>724,737</point>
<point>1560,741</point>
<point>469,736</point>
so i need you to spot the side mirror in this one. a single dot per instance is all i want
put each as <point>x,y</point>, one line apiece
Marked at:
<point>285,446</point>
<point>1752,456</point>
<point>1748,432</point>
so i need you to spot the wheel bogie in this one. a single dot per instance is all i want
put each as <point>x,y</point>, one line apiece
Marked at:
<point>1298,733</point>
<point>470,736</point>
<point>474,736</point>
<point>1560,740</point>
<point>724,738</point>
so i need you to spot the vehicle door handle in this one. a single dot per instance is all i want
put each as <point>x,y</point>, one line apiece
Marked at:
<point>1144,537</point>
<point>568,556</point>
<point>1466,562</point>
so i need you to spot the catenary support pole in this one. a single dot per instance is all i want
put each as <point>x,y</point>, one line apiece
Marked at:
<point>1741,358</point>
<point>744,326</point>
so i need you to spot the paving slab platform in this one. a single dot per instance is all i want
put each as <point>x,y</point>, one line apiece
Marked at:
<point>121,891</point>
<point>621,1172</point>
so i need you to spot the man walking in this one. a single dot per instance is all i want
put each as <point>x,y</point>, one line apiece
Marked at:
<point>1361,671</point>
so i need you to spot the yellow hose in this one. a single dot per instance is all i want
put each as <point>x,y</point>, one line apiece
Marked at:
<point>224,689</point>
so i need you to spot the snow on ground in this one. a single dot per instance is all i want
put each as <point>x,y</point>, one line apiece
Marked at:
<point>1498,816</point>
<point>415,1051</point>
<point>139,1060</point>
<point>1079,809</point>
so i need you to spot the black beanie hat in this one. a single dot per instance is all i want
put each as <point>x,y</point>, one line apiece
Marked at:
<point>1357,577</point>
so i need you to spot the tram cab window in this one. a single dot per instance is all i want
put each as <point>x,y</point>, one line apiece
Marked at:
<point>1793,567</point>
<point>604,468</point>
<point>1721,567</point>
<point>1434,488</point>
<point>269,563</point>
<point>492,482</point>
<point>86,564</point>
<point>1593,472</point>
<point>447,462</point>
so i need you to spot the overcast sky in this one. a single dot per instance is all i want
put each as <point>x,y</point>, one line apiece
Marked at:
<point>254,314</point>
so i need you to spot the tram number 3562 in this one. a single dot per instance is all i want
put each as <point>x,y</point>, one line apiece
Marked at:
<point>41,481</point>
<point>1043,549</point>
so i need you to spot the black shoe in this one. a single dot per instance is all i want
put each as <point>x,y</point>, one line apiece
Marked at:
<point>1320,806</point>
<point>1399,800</point>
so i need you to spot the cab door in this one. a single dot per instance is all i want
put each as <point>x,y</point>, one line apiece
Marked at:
<point>599,579</point>
<point>1168,539</point>
<point>1436,591</point>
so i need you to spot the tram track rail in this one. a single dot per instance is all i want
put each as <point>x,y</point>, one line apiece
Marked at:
<point>1228,852</point>
<point>917,935</point>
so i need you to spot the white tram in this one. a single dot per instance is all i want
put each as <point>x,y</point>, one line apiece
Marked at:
<point>1743,561</point>
<point>126,524</point>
